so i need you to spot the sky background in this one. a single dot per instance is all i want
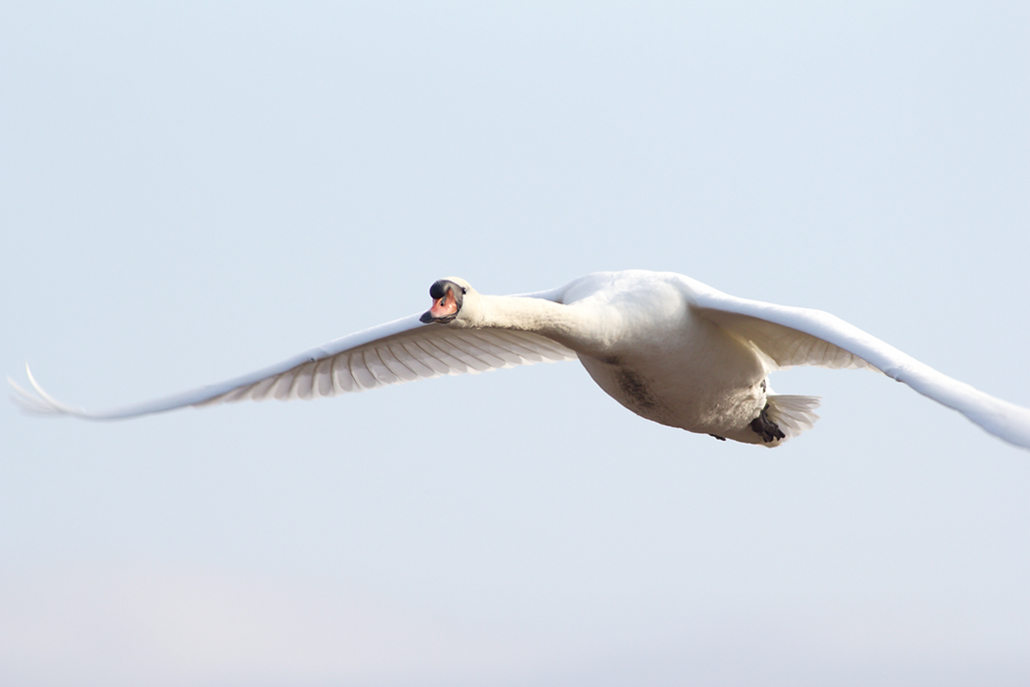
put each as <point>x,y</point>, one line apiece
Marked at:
<point>189,192</point>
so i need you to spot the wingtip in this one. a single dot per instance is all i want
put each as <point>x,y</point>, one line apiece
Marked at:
<point>27,402</point>
<point>38,402</point>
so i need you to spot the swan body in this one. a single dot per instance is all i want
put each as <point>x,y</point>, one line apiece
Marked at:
<point>665,346</point>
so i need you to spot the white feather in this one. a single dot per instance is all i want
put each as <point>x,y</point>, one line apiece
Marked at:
<point>400,351</point>
<point>668,347</point>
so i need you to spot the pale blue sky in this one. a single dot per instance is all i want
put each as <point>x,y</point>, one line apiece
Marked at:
<point>190,192</point>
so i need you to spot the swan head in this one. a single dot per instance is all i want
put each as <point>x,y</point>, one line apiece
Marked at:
<point>448,297</point>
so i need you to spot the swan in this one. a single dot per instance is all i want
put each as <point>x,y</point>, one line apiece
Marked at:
<point>665,346</point>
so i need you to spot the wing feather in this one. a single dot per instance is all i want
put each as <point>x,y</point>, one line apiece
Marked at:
<point>800,336</point>
<point>401,351</point>
<point>345,377</point>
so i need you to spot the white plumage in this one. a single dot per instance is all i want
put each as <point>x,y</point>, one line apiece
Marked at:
<point>669,348</point>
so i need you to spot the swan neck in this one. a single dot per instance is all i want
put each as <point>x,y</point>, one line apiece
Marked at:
<point>547,318</point>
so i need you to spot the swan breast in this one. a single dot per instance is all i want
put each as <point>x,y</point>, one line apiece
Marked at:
<point>665,362</point>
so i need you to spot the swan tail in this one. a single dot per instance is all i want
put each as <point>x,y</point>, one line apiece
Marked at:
<point>792,414</point>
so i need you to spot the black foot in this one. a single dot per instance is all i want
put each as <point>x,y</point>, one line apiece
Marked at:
<point>766,428</point>
<point>716,436</point>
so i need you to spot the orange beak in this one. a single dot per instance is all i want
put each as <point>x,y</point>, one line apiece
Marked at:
<point>444,306</point>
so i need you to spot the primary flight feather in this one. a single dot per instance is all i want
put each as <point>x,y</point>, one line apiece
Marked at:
<point>667,347</point>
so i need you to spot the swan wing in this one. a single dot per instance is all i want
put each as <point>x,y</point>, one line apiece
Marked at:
<point>788,336</point>
<point>401,351</point>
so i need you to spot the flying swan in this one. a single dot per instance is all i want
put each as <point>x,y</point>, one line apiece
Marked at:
<point>667,347</point>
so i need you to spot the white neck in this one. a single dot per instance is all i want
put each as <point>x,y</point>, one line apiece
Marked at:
<point>570,326</point>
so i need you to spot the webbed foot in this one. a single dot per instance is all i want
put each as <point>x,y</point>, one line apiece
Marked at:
<point>766,428</point>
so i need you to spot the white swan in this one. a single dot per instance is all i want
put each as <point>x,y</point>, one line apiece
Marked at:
<point>667,347</point>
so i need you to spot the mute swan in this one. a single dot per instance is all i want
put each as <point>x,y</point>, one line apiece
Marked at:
<point>667,347</point>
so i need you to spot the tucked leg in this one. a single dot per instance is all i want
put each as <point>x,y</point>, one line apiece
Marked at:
<point>766,428</point>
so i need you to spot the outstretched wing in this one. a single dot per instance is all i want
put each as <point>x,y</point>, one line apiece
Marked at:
<point>788,336</point>
<point>392,353</point>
